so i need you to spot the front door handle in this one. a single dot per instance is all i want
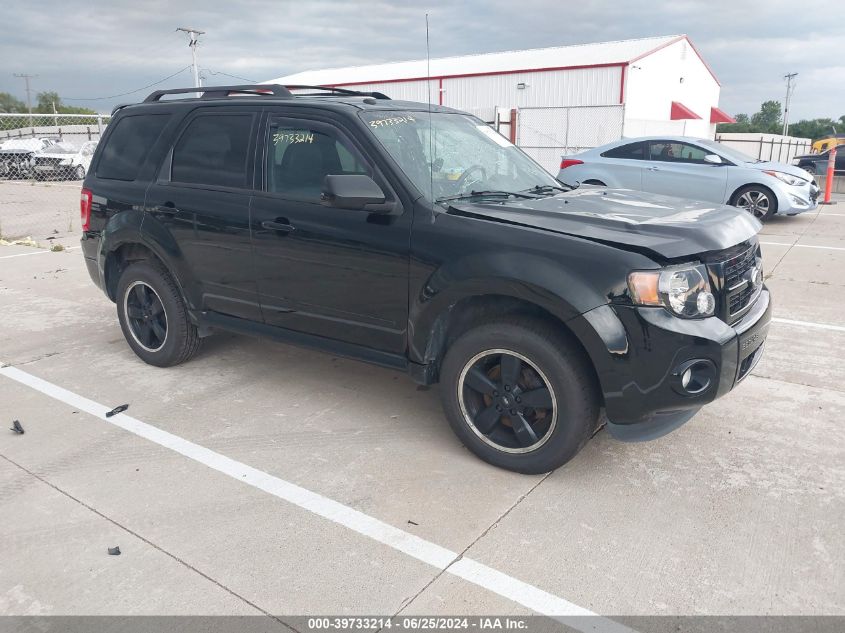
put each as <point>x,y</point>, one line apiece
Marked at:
<point>277,225</point>
<point>167,208</point>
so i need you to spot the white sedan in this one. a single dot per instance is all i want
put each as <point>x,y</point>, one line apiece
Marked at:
<point>64,160</point>
<point>695,168</point>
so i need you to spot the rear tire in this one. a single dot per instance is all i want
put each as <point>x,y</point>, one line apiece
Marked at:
<point>153,315</point>
<point>79,172</point>
<point>519,394</point>
<point>757,200</point>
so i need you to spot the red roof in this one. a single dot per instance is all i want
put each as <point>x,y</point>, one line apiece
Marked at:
<point>680,111</point>
<point>720,116</point>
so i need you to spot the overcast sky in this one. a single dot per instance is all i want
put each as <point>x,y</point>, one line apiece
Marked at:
<point>91,49</point>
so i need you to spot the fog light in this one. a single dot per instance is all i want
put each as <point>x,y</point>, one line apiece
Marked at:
<point>694,377</point>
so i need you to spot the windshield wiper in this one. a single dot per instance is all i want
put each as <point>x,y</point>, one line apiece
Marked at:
<point>547,189</point>
<point>492,192</point>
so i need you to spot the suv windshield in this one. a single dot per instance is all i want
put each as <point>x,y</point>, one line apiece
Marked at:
<point>455,154</point>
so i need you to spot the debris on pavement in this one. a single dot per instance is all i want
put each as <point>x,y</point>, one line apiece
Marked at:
<point>114,551</point>
<point>412,522</point>
<point>17,428</point>
<point>118,409</point>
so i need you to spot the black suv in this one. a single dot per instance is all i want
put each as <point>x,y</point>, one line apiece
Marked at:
<point>417,238</point>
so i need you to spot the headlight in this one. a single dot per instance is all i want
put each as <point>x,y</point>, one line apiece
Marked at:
<point>789,179</point>
<point>683,290</point>
<point>65,161</point>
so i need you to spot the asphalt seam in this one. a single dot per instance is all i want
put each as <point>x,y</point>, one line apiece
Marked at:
<point>464,551</point>
<point>147,541</point>
<point>798,239</point>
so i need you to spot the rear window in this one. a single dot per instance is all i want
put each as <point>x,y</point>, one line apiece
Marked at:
<point>634,151</point>
<point>128,145</point>
<point>213,150</point>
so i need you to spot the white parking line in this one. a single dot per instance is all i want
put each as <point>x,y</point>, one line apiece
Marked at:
<point>810,324</point>
<point>829,248</point>
<point>70,248</point>
<point>439,557</point>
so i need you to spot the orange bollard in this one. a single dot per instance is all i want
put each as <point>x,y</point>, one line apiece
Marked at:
<point>828,182</point>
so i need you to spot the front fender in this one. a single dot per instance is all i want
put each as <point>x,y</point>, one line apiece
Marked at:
<point>535,279</point>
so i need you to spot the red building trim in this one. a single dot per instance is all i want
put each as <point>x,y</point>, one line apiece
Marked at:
<point>440,90</point>
<point>675,41</point>
<point>485,74</point>
<point>720,116</point>
<point>679,112</point>
<point>622,84</point>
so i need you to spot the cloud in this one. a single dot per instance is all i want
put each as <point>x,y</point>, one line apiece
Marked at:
<point>98,49</point>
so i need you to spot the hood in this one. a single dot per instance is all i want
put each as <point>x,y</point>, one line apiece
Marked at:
<point>670,227</point>
<point>770,165</point>
<point>11,151</point>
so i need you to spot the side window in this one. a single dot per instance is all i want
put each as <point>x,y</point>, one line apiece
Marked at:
<point>299,157</point>
<point>213,150</point>
<point>672,152</point>
<point>635,151</point>
<point>128,145</point>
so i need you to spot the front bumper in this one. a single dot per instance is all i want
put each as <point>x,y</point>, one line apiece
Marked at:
<point>793,200</point>
<point>643,386</point>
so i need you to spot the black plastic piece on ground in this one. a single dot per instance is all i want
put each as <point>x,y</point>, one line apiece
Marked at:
<point>114,551</point>
<point>658,426</point>
<point>17,428</point>
<point>117,409</point>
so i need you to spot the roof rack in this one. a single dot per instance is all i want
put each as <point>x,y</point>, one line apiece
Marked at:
<point>215,92</point>
<point>341,91</point>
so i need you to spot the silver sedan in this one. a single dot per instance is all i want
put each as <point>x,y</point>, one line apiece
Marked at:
<point>695,168</point>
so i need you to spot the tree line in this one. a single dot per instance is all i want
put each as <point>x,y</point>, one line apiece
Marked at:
<point>44,104</point>
<point>769,119</point>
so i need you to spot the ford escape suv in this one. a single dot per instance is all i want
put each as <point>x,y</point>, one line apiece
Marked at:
<point>417,238</point>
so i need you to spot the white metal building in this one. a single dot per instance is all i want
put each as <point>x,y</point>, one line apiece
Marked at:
<point>563,99</point>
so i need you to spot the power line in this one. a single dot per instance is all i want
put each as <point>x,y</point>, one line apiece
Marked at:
<point>220,72</point>
<point>123,94</point>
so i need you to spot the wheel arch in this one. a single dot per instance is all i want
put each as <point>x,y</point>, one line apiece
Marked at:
<point>735,193</point>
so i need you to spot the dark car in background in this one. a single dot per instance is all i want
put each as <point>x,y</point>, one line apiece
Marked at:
<point>417,238</point>
<point>817,163</point>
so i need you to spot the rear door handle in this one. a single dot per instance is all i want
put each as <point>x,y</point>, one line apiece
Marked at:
<point>277,225</point>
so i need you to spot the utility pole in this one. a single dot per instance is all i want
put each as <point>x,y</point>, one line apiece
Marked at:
<point>26,78</point>
<point>193,37</point>
<point>789,88</point>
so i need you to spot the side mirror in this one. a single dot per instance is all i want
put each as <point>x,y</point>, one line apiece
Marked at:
<point>351,192</point>
<point>713,159</point>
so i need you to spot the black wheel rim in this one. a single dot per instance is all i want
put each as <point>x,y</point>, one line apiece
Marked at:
<point>145,316</point>
<point>507,401</point>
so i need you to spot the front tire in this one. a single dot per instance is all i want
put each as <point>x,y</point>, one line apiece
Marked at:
<point>79,172</point>
<point>153,315</point>
<point>519,394</point>
<point>757,200</point>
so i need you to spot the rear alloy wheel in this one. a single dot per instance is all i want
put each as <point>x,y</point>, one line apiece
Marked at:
<point>153,315</point>
<point>759,202</point>
<point>519,394</point>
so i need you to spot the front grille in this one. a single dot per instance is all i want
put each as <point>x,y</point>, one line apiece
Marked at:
<point>47,162</point>
<point>732,272</point>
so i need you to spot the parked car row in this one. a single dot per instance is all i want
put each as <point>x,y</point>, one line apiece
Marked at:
<point>697,169</point>
<point>44,158</point>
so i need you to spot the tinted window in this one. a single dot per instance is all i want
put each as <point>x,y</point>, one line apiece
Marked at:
<point>213,150</point>
<point>128,145</point>
<point>300,158</point>
<point>635,151</point>
<point>672,152</point>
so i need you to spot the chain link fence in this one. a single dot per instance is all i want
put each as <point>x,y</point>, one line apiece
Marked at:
<point>43,159</point>
<point>547,133</point>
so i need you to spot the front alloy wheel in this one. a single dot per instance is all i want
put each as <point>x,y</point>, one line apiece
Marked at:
<point>507,401</point>
<point>758,202</point>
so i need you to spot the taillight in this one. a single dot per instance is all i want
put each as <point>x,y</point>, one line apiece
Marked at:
<point>569,162</point>
<point>85,208</point>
